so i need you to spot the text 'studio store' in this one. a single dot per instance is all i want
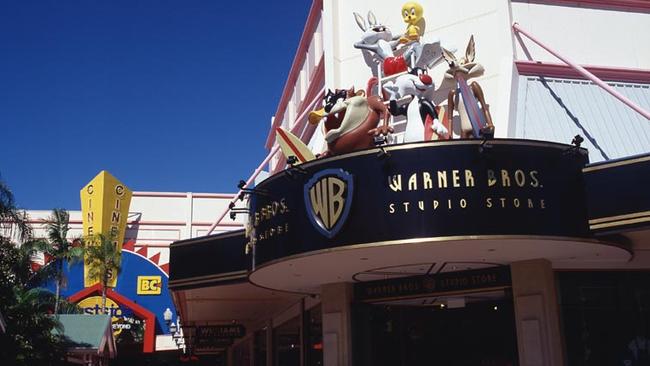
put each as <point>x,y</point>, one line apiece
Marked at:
<point>457,184</point>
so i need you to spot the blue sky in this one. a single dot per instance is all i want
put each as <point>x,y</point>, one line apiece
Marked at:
<point>165,95</point>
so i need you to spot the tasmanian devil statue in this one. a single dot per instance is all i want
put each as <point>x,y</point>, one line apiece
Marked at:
<point>351,120</point>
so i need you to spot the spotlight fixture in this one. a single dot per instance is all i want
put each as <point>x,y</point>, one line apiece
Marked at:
<point>293,167</point>
<point>577,140</point>
<point>380,141</point>
<point>249,191</point>
<point>234,211</point>
<point>484,146</point>
<point>292,160</point>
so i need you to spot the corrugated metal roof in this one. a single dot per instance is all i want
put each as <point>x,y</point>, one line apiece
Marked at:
<point>558,109</point>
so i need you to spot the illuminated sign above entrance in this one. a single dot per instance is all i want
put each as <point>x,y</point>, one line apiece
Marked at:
<point>220,331</point>
<point>427,285</point>
<point>212,338</point>
<point>425,191</point>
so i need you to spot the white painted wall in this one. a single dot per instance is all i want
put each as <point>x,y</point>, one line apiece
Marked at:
<point>588,36</point>
<point>156,219</point>
<point>592,37</point>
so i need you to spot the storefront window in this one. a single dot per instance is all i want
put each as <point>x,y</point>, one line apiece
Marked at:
<point>606,317</point>
<point>286,342</point>
<point>314,337</point>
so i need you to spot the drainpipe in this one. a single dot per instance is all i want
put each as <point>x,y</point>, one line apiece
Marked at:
<point>517,28</point>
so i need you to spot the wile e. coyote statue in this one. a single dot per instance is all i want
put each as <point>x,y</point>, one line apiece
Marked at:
<point>474,121</point>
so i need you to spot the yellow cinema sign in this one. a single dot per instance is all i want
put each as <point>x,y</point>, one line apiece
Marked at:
<point>104,208</point>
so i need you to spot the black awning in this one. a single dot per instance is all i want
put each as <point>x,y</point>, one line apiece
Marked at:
<point>618,194</point>
<point>208,260</point>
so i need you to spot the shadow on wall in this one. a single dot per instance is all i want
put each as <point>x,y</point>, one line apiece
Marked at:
<point>573,118</point>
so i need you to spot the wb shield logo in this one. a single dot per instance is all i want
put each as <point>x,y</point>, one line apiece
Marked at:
<point>328,197</point>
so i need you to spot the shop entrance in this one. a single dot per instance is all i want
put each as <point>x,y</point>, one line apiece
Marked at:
<point>464,328</point>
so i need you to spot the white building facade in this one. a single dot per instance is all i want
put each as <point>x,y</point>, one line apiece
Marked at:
<point>157,219</point>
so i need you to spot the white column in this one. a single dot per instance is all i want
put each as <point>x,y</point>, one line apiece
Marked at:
<point>337,325</point>
<point>189,216</point>
<point>539,335</point>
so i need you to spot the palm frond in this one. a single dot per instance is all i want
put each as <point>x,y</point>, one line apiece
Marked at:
<point>102,256</point>
<point>56,227</point>
<point>35,245</point>
<point>9,212</point>
<point>36,298</point>
<point>66,307</point>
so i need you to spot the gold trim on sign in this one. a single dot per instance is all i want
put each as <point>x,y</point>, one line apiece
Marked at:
<point>615,164</point>
<point>208,278</point>
<point>192,241</point>
<point>424,144</point>
<point>438,294</point>
<point>225,274</point>
<point>289,292</point>
<point>619,217</point>
<point>620,223</point>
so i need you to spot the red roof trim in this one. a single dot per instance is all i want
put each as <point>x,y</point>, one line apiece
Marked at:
<point>296,66</point>
<point>640,6</point>
<point>607,73</point>
<point>143,313</point>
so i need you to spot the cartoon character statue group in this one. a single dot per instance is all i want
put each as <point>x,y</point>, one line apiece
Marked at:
<point>401,86</point>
